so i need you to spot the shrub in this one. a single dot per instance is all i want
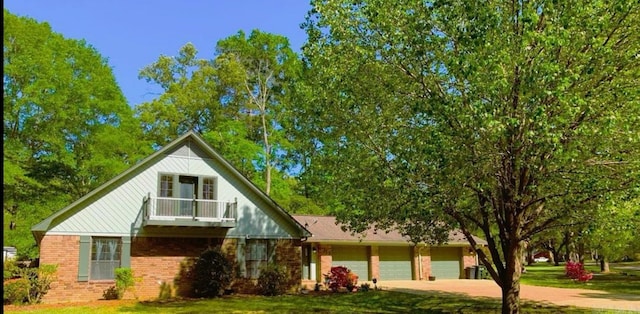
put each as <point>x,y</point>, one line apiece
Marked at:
<point>273,280</point>
<point>16,291</point>
<point>124,280</point>
<point>40,280</point>
<point>576,271</point>
<point>365,287</point>
<point>211,274</point>
<point>341,276</point>
<point>110,293</point>
<point>10,269</point>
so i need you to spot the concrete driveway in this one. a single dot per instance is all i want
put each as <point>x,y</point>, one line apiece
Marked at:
<point>488,288</point>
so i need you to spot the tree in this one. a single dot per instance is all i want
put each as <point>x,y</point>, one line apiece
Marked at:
<point>257,71</point>
<point>190,98</point>
<point>67,126</point>
<point>484,116</point>
<point>613,233</point>
<point>239,101</point>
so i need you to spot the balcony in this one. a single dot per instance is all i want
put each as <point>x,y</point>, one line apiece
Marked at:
<point>171,211</point>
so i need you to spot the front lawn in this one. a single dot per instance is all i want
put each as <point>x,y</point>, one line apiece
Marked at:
<point>360,302</point>
<point>624,278</point>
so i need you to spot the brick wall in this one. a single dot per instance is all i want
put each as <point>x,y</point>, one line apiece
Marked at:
<point>63,251</point>
<point>158,264</point>
<point>425,257</point>
<point>468,258</point>
<point>289,255</point>
<point>325,258</point>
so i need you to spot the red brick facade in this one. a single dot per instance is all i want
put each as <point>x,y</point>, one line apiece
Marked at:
<point>158,264</point>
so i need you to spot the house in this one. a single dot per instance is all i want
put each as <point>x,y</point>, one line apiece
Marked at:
<point>157,217</point>
<point>380,255</point>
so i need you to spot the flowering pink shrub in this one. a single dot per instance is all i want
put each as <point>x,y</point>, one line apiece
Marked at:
<point>576,271</point>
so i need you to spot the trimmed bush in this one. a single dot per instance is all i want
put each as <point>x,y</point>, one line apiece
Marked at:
<point>273,280</point>
<point>211,274</point>
<point>16,291</point>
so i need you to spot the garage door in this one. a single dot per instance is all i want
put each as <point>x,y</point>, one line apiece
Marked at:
<point>353,257</point>
<point>445,263</point>
<point>395,263</point>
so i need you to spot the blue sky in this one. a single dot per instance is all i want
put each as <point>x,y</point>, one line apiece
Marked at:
<point>134,33</point>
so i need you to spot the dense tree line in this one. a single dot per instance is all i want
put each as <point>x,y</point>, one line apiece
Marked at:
<point>516,121</point>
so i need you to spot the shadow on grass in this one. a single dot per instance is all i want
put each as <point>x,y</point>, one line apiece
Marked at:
<point>613,296</point>
<point>361,302</point>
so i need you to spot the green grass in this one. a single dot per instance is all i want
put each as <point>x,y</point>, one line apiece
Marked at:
<point>620,280</point>
<point>361,302</point>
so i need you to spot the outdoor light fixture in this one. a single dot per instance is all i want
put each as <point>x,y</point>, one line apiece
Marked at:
<point>375,281</point>
<point>314,249</point>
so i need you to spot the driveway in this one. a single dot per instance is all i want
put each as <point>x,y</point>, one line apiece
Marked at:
<point>488,288</point>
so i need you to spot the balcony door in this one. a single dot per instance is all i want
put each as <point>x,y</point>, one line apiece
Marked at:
<point>188,187</point>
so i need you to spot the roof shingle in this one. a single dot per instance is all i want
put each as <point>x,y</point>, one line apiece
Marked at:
<point>326,229</point>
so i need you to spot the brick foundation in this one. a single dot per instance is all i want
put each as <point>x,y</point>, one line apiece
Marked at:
<point>158,264</point>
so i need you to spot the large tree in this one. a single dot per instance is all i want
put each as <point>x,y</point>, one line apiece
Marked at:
<point>258,71</point>
<point>239,101</point>
<point>488,116</point>
<point>67,126</point>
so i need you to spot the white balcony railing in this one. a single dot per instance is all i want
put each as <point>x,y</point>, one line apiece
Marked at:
<point>170,208</point>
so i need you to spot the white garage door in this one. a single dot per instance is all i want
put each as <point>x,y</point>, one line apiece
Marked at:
<point>445,262</point>
<point>395,263</point>
<point>353,257</point>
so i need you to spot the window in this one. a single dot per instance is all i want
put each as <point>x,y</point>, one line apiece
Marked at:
<point>256,256</point>
<point>166,186</point>
<point>208,189</point>
<point>105,257</point>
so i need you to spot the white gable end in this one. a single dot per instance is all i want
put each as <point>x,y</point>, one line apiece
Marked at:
<point>118,209</point>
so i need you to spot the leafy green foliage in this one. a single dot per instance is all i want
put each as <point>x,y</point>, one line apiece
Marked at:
<point>16,291</point>
<point>613,229</point>
<point>241,101</point>
<point>10,269</point>
<point>124,280</point>
<point>273,280</point>
<point>67,127</point>
<point>211,274</point>
<point>30,285</point>
<point>499,118</point>
<point>257,71</point>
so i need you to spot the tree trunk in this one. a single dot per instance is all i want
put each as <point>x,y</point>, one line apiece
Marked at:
<point>581,253</point>
<point>511,280</point>
<point>604,265</point>
<point>553,257</point>
<point>267,150</point>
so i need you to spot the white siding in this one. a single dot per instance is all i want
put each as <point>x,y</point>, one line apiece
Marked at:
<point>117,211</point>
